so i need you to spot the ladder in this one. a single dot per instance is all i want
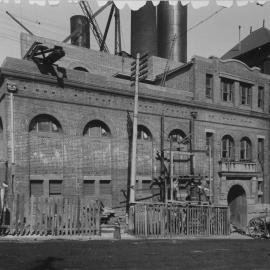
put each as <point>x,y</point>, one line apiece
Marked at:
<point>167,67</point>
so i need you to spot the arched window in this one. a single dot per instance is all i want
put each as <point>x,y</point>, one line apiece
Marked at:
<point>245,149</point>
<point>177,135</point>
<point>45,123</point>
<point>144,133</point>
<point>227,148</point>
<point>81,69</point>
<point>179,139</point>
<point>96,128</point>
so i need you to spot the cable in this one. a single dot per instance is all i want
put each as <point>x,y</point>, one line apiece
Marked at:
<point>204,20</point>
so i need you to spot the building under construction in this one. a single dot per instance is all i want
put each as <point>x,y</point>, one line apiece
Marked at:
<point>66,115</point>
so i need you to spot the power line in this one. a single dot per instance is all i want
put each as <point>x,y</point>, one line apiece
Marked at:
<point>206,19</point>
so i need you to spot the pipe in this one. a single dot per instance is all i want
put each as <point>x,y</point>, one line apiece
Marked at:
<point>12,128</point>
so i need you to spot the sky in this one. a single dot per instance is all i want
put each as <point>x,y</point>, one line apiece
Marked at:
<point>213,37</point>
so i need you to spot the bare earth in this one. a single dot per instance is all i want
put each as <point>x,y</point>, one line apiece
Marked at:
<point>135,254</point>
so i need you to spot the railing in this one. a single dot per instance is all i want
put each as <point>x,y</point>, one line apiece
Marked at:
<point>161,221</point>
<point>238,166</point>
<point>54,216</point>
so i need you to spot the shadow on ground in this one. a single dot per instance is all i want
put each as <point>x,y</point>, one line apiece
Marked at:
<point>46,264</point>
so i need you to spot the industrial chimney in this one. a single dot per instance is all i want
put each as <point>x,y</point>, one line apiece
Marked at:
<point>172,19</point>
<point>83,39</point>
<point>144,30</point>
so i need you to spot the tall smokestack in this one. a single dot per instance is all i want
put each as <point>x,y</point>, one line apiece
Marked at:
<point>144,30</point>
<point>83,39</point>
<point>172,19</point>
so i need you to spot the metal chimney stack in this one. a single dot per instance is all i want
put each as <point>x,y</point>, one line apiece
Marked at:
<point>153,30</point>
<point>172,19</point>
<point>82,23</point>
<point>144,30</point>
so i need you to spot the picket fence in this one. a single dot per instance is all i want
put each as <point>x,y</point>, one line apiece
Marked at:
<point>54,216</point>
<point>160,220</point>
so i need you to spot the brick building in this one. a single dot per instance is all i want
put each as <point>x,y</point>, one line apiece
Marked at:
<point>70,132</point>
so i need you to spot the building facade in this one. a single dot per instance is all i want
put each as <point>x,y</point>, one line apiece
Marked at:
<point>65,131</point>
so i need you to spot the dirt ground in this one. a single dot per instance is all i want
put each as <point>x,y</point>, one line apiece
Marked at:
<point>135,254</point>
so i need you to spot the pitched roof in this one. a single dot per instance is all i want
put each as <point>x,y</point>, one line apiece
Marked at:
<point>255,40</point>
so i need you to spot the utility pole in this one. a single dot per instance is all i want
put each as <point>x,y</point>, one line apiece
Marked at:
<point>210,175</point>
<point>135,71</point>
<point>171,171</point>
<point>139,70</point>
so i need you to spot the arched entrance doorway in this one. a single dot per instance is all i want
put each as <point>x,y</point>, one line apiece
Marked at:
<point>238,206</point>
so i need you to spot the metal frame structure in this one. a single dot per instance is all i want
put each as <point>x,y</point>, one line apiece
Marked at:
<point>101,38</point>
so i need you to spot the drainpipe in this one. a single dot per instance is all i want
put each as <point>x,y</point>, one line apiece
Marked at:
<point>12,88</point>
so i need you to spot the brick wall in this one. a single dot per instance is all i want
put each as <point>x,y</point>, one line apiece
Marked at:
<point>72,157</point>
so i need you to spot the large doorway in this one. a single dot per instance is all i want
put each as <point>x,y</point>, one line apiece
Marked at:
<point>238,206</point>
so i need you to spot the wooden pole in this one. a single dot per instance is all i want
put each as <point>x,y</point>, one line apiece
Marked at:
<point>171,170</point>
<point>210,175</point>
<point>134,134</point>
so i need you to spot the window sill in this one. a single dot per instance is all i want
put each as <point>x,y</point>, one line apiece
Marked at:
<point>44,134</point>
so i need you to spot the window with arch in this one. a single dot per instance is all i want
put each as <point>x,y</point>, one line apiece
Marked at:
<point>45,123</point>
<point>81,69</point>
<point>227,151</point>
<point>179,139</point>
<point>245,149</point>
<point>177,135</point>
<point>97,129</point>
<point>144,133</point>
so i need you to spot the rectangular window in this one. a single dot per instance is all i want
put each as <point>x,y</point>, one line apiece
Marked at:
<point>261,152</point>
<point>146,186</point>
<point>210,142</point>
<point>260,97</point>
<point>89,188</point>
<point>105,187</point>
<point>227,90</point>
<point>209,86</point>
<point>55,187</point>
<point>260,186</point>
<point>36,188</point>
<point>245,93</point>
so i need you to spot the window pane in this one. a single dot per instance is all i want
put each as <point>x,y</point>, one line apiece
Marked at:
<point>226,89</point>
<point>96,129</point>
<point>45,123</point>
<point>44,126</point>
<point>55,187</point>
<point>105,187</point>
<point>209,85</point>
<point>261,150</point>
<point>146,186</point>
<point>36,188</point>
<point>54,127</point>
<point>104,132</point>
<point>94,132</point>
<point>260,97</point>
<point>89,188</point>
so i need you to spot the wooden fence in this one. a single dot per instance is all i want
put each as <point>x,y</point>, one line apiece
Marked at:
<point>54,216</point>
<point>159,220</point>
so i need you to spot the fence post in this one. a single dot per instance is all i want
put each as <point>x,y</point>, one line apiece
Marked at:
<point>228,221</point>
<point>145,220</point>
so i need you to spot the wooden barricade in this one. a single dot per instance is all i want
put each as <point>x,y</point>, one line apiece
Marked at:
<point>172,220</point>
<point>54,216</point>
